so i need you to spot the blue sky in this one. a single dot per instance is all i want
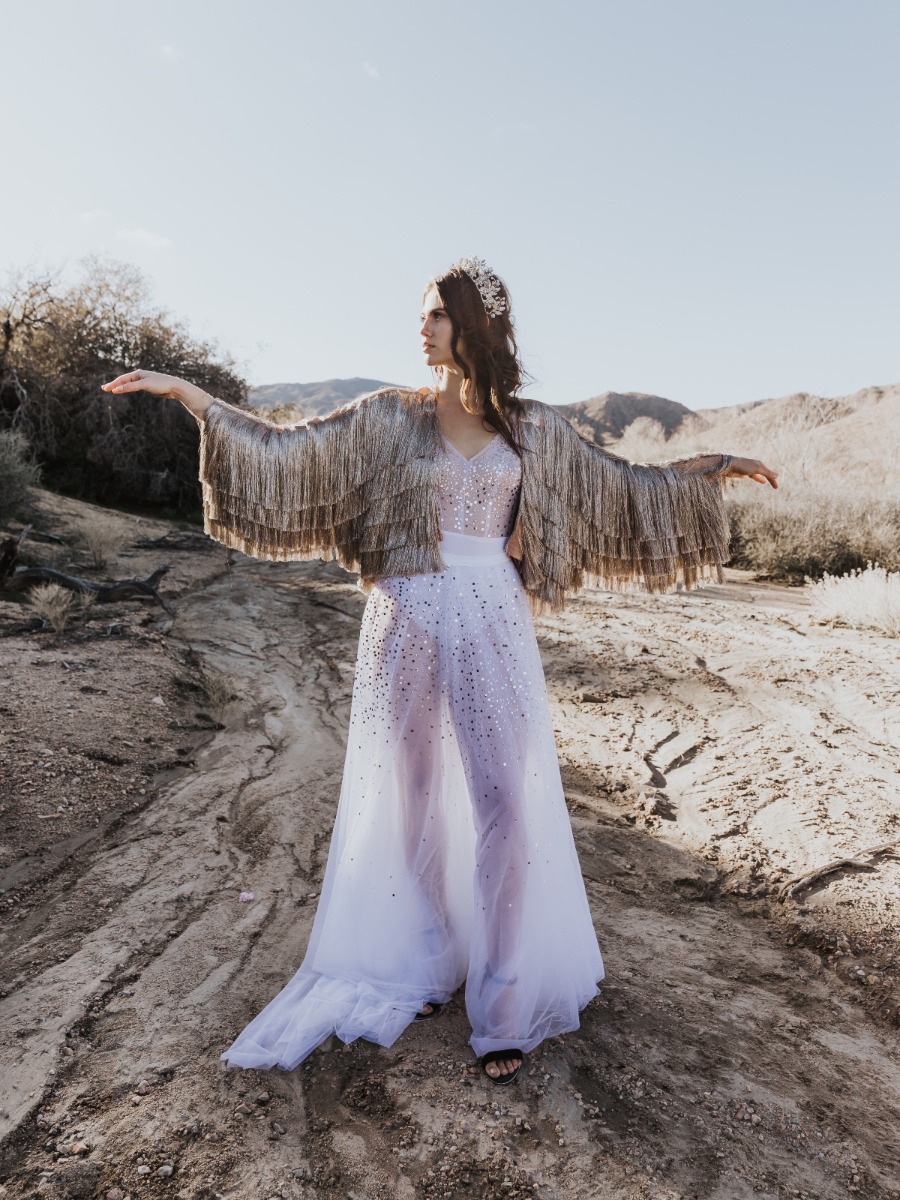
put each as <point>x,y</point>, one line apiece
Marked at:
<point>696,198</point>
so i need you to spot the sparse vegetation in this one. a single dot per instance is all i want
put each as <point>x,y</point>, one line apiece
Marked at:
<point>804,533</point>
<point>53,604</point>
<point>103,541</point>
<point>868,599</point>
<point>17,472</point>
<point>217,687</point>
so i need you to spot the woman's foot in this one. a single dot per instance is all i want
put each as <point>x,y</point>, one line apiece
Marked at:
<point>502,1066</point>
<point>429,1010</point>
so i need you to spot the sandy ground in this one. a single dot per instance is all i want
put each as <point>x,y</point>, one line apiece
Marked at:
<point>713,746</point>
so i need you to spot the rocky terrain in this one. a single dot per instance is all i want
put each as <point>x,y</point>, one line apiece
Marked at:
<point>715,747</point>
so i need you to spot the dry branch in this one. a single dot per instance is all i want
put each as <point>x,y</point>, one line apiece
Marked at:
<point>18,579</point>
<point>789,890</point>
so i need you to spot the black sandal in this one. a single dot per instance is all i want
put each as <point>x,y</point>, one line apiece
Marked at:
<point>436,1010</point>
<point>499,1056</point>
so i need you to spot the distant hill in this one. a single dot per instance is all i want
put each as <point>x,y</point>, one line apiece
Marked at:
<point>605,418</point>
<point>814,440</point>
<point>312,399</point>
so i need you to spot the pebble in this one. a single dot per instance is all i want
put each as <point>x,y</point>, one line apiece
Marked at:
<point>78,1148</point>
<point>143,1169</point>
<point>115,1193</point>
<point>165,1170</point>
<point>142,1088</point>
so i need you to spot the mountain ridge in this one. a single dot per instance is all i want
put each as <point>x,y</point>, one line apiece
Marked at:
<point>859,431</point>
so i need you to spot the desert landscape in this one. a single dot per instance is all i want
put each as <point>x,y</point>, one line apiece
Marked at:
<point>687,217</point>
<point>730,762</point>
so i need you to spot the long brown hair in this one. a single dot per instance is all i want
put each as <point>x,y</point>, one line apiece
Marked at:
<point>491,385</point>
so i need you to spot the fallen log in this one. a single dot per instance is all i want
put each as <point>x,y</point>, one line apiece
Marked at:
<point>19,579</point>
<point>789,890</point>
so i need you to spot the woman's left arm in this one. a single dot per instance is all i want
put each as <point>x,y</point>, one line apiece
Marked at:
<point>595,516</point>
<point>726,466</point>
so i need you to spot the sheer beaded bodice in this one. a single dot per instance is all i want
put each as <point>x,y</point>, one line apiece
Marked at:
<point>478,495</point>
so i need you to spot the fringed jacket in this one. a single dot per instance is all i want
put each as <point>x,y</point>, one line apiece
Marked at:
<point>358,486</point>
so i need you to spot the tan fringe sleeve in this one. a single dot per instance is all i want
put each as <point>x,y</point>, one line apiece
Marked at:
<point>282,492</point>
<point>618,524</point>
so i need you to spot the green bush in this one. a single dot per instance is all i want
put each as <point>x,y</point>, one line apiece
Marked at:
<point>17,472</point>
<point>59,344</point>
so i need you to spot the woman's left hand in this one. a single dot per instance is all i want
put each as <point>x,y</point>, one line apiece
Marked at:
<point>752,468</point>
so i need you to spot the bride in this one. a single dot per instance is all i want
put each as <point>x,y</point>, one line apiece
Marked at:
<point>466,509</point>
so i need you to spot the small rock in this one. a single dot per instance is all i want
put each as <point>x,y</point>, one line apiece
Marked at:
<point>279,1128</point>
<point>143,1169</point>
<point>142,1088</point>
<point>262,1097</point>
<point>115,1193</point>
<point>243,1110</point>
<point>78,1148</point>
<point>165,1170</point>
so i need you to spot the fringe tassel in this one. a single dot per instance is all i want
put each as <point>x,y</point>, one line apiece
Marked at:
<point>589,517</point>
<point>358,486</point>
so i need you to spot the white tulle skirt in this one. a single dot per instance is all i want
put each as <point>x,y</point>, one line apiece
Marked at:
<point>452,857</point>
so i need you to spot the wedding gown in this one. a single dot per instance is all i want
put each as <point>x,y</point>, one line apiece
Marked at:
<point>452,856</point>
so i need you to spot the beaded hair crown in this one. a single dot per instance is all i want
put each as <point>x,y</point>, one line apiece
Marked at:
<point>487,283</point>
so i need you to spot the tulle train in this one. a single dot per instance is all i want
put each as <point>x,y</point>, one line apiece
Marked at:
<point>452,857</point>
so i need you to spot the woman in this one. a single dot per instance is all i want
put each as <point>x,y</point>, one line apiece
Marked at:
<point>465,508</point>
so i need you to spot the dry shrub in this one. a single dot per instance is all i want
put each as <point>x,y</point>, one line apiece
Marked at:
<point>53,604</point>
<point>806,533</point>
<point>868,599</point>
<point>103,541</point>
<point>283,414</point>
<point>218,687</point>
<point>17,472</point>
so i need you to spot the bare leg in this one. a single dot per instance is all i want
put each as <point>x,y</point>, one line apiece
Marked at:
<point>416,716</point>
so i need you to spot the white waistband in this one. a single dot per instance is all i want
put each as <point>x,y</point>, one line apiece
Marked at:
<point>467,550</point>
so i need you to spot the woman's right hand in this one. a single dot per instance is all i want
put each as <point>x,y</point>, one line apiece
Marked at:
<point>168,386</point>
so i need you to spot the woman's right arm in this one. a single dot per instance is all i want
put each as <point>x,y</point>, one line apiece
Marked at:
<point>170,387</point>
<point>281,492</point>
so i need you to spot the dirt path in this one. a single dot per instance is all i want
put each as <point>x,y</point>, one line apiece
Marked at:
<point>707,757</point>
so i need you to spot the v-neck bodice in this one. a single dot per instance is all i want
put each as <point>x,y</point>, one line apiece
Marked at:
<point>478,495</point>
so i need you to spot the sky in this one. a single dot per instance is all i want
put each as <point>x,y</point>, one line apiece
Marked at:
<point>693,198</point>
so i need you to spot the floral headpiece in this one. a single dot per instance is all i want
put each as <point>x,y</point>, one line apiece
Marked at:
<point>487,283</point>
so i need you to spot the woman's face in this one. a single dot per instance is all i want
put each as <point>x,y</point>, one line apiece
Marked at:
<point>436,332</point>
